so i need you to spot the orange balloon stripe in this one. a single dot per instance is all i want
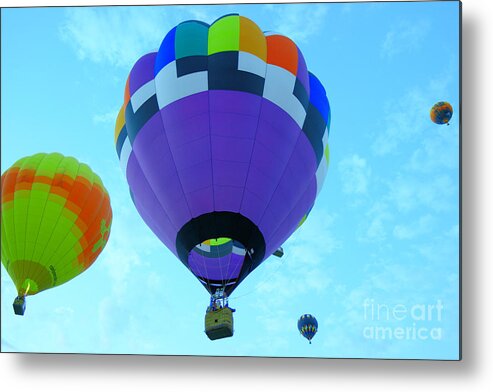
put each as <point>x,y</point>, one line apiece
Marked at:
<point>90,216</point>
<point>97,203</point>
<point>8,184</point>
<point>42,180</point>
<point>283,52</point>
<point>63,182</point>
<point>94,235</point>
<point>57,190</point>
<point>90,208</point>
<point>80,189</point>
<point>126,97</point>
<point>25,179</point>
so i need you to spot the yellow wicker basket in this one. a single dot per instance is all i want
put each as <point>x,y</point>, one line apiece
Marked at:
<point>219,323</point>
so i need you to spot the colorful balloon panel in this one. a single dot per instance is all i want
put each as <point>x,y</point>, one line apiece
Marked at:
<point>223,134</point>
<point>56,219</point>
<point>308,326</point>
<point>441,113</point>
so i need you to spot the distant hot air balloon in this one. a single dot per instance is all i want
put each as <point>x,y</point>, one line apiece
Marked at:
<point>441,113</point>
<point>308,326</point>
<point>223,139</point>
<point>56,219</point>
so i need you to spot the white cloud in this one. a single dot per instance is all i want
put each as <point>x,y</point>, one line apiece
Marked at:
<point>300,22</point>
<point>454,231</point>
<point>105,118</point>
<point>276,321</point>
<point>65,311</point>
<point>404,119</point>
<point>422,226</point>
<point>205,13</point>
<point>115,35</point>
<point>388,283</point>
<point>346,8</point>
<point>133,284</point>
<point>7,346</point>
<point>121,255</point>
<point>438,254</point>
<point>315,236</point>
<point>405,37</point>
<point>374,227</point>
<point>438,151</point>
<point>410,192</point>
<point>355,174</point>
<point>120,35</point>
<point>306,265</point>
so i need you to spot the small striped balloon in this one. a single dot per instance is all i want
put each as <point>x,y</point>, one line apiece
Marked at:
<point>56,219</point>
<point>308,326</point>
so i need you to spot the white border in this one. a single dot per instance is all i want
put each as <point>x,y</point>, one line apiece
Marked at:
<point>138,373</point>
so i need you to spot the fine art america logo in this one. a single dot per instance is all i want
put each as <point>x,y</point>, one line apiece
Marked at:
<point>402,322</point>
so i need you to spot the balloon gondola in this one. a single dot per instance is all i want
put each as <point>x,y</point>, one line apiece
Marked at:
<point>223,140</point>
<point>56,219</point>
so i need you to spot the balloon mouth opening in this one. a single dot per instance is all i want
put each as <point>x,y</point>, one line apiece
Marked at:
<point>29,287</point>
<point>220,248</point>
<point>218,231</point>
<point>218,262</point>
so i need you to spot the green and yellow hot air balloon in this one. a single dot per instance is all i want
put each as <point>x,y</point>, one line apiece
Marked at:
<point>56,220</point>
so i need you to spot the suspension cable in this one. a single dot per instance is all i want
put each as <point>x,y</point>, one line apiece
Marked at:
<point>263,281</point>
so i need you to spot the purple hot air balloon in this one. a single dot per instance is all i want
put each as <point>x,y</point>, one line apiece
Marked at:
<point>223,139</point>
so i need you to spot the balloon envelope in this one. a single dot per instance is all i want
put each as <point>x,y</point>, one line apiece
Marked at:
<point>308,326</point>
<point>223,139</point>
<point>441,113</point>
<point>56,219</point>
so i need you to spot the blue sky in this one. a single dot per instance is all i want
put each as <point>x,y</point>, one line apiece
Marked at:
<point>384,231</point>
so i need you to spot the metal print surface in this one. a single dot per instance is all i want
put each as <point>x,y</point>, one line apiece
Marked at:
<point>276,180</point>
